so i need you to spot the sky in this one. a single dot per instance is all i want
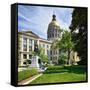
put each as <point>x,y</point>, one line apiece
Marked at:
<point>37,18</point>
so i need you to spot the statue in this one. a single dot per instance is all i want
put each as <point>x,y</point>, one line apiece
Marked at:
<point>36,61</point>
<point>36,50</point>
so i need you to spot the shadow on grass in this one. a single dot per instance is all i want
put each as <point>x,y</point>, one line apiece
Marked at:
<point>76,69</point>
<point>63,69</point>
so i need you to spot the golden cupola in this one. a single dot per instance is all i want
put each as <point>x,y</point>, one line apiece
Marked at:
<point>53,29</point>
<point>54,22</point>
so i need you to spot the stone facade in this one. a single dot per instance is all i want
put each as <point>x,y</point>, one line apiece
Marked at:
<point>26,42</point>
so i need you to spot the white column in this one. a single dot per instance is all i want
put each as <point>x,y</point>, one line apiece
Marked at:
<point>21,59</point>
<point>32,44</point>
<point>27,48</point>
<point>38,42</point>
<point>27,56</point>
<point>22,44</point>
<point>21,55</point>
<point>27,45</point>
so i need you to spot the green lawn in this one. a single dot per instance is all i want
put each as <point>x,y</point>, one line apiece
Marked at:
<point>59,74</point>
<point>26,74</point>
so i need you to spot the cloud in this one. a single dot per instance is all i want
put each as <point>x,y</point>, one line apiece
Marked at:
<point>37,18</point>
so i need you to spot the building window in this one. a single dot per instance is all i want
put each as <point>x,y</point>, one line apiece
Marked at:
<point>55,34</point>
<point>24,47</point>
<point>56,58</point>
<point>30,45</point>
<point>51,52</point>
<point>47,46</point>
<point>24,44</point>
<point>30,48</point>
<point>24,40</point>
<point>51,58</point>
<point>24,63</point>
<point>30,56</point>
<point>43,45</point>
<point>30,42</point>
<point>35,42</point>
<point>47,52</point>
<point>24,56</point>
<point>54,52</point>
<point>52,35</point>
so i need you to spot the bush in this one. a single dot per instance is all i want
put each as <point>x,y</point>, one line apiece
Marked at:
<point>54,69</point>
<point>82,62</point>
<point>61,69</point>
<point>62,59</point>
<point>76,68</point>
<point>26,74</point>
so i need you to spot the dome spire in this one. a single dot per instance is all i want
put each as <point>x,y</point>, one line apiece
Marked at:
<point>54,17</point>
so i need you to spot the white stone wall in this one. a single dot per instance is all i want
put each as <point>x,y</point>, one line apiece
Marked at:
<point>28,52</point>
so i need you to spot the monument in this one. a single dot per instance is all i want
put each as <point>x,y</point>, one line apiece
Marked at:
<point>36,61</point>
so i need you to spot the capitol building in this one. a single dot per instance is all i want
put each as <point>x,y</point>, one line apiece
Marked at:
<point>28,39</point>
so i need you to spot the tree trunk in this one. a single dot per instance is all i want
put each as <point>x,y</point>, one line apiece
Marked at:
<point>68,57</point>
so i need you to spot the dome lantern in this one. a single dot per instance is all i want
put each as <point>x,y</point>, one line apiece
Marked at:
<point>54,22</point>
<point>54,18</point>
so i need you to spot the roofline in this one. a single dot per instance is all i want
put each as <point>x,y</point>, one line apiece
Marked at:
<point>22,32</point>
<point>45,40</point>
<point>40,39</point>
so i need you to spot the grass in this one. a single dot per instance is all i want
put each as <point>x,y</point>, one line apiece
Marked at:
<point>26,74</point>
<point>60,74</point>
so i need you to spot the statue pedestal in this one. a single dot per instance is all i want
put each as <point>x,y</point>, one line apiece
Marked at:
<point>34,62</point>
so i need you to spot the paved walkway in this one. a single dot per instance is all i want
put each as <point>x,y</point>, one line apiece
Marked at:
<point>28,80</point>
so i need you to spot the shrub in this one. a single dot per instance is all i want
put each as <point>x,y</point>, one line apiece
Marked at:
<point>26,74</point>
<point>76,68</point>
<point>55,69</point>
<point>61,69</point>
<point>62,59</point>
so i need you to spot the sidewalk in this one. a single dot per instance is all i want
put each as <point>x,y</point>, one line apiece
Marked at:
<point>28,80</point>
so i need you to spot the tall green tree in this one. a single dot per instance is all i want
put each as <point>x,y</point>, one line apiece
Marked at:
<point>42,55</point>
<point>79,22</point>
<point>65,44</point>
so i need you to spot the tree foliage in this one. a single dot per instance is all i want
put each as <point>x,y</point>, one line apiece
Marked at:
<point>62,59</point>
<point>42,55</point>
<point>65,43</point>
<point>79,22</point>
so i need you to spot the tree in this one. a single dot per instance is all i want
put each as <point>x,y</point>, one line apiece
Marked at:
<point>42,55</point>
<point>62,59</point>
<point>79,22</point>
<point>65,44</point>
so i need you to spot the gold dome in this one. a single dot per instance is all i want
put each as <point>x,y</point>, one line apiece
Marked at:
<point>54,22</point>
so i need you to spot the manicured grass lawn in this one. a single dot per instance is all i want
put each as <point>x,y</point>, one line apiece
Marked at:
<point>26,74</point>
<point>59,74</point>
